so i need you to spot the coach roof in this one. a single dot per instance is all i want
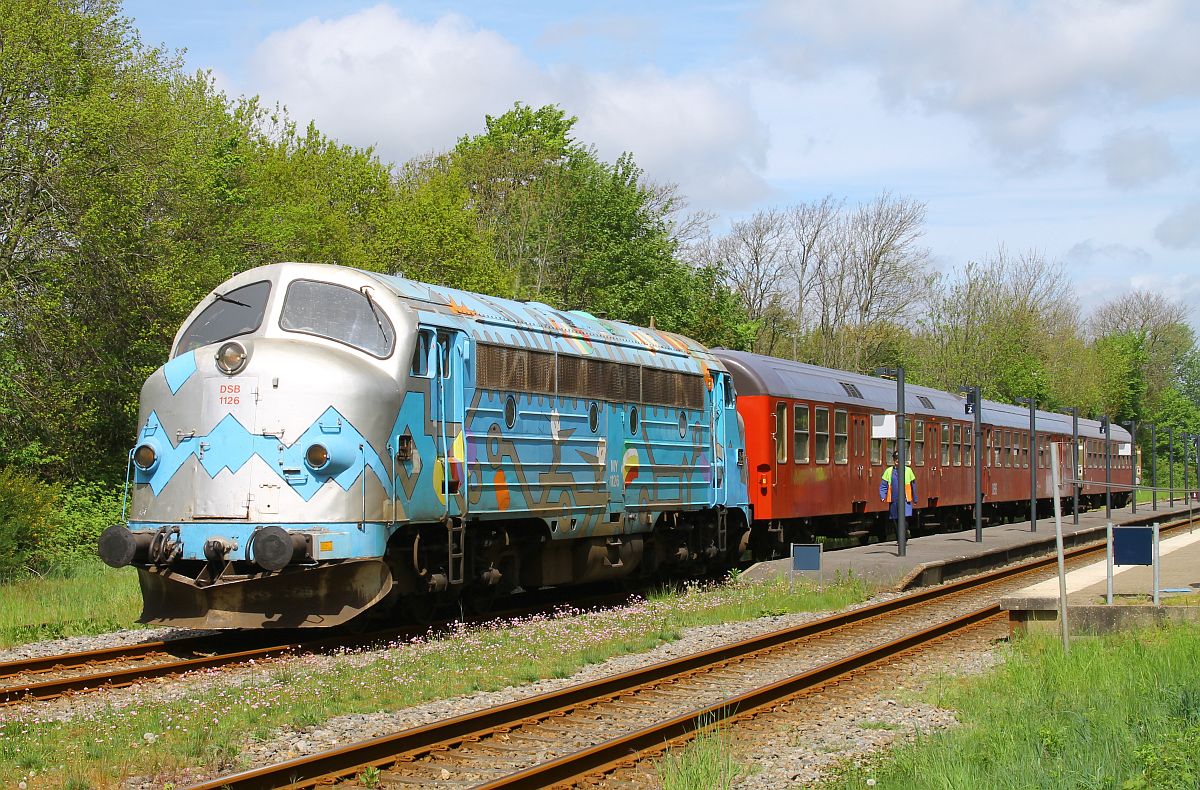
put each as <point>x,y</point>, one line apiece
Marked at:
<point>755,374</point>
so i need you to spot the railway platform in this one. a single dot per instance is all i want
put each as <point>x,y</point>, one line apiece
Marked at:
<point>1036,606</point>
<point>932,559</point>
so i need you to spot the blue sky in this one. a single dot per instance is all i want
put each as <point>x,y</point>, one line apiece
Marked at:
<point>1069,127</point>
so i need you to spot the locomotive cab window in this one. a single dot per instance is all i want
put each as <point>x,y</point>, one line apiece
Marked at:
<point>237,312</point>
<point>338,313</point>
<point>420,360</point>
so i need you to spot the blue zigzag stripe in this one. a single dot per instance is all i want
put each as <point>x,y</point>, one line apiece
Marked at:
<point>230,445</point>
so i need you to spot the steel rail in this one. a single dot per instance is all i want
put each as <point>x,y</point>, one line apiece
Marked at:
<point>117,678</point>
<point>627,749</point>
<point>328,766</point>
<point>29,666</point>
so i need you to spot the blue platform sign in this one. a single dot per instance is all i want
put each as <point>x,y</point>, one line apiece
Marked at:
<point>806,556</point>
<point>1133,545</point>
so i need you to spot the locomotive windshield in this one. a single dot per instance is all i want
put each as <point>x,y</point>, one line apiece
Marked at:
<point>237,312</point>
<point>338,313</point>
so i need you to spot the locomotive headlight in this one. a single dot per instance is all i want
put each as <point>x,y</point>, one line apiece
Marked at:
<point>317,456</point>
<point>231,357</point>
<point>145,457</point>
<point>331,456</point>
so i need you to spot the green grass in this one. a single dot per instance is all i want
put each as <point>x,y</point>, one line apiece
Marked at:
<point>706,763</point>
<point>89,599</point>
<point>208,727</point>
<point>1120,711</point>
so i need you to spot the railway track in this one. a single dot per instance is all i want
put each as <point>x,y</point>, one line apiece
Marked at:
<point>47,677</point>
<point>558,738</point>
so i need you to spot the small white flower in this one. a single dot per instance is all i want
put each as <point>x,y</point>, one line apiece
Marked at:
<point>21,785</point>
<point>870,783</point>
<point>149,737</point>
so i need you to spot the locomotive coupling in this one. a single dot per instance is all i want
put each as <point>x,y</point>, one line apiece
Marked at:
<point>119,546</point>
<point>217,550</point>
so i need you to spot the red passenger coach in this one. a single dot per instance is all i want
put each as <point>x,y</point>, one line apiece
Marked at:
<point>814,467</point>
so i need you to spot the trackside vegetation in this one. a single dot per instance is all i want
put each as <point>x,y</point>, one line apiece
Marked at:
<point>1119,711</point>
<point>210,724</point>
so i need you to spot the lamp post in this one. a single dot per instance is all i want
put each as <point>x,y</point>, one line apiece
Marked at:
<point>1032,403</point>
<point>1106,427</point>
<point>1171,462</point>
<point>974,406</point>
<point>902,450</point>
<point>1186,497</point>
<point>1153,467</point>
<point>1076,475</point>
<point>1132,426</point>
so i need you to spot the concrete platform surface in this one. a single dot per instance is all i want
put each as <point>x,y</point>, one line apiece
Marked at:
<point>931,559</point>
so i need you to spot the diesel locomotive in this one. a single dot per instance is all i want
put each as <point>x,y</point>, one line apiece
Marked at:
<point>325,442</point>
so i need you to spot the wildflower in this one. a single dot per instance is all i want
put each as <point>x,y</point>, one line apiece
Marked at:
<point>149,737</point>
<point>870,783</point>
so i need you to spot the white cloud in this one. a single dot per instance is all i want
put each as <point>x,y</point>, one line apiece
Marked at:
<point>1134,158</point>
<point>1017,70</point>
<point>378,78</point>
<point>1181,229</point>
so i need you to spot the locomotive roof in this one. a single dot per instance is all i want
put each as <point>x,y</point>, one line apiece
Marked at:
<point>755,374</point>
<point>539,326</point>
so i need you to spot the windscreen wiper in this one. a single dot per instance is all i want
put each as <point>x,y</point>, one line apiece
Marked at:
<point>222,297</point>
<point>366,291</point>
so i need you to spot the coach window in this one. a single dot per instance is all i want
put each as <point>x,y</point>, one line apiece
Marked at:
<point>841,437</point>
<point>800,440</point>
<point>876,451</point>
<point>919,443</point>
<point>945,444</point>
<point>821,429</point>
<point>956,446</point>
<point>1006,438</point>
<point>1025,450</point>
<point>781,410</point>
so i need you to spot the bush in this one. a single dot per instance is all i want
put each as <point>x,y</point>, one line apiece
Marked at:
<point>27,510</point>
<point>49,528</point>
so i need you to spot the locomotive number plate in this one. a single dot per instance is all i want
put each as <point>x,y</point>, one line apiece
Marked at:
<point>236,395</point>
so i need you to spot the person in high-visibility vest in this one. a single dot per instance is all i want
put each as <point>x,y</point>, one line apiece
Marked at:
<point>889,483</point>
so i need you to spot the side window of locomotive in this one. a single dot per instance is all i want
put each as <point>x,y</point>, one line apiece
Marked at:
<point>238,312</point>
<point>841,437</point>
<point>338,313</point>
<point>800,441</point>
<point>821,429</point>
<point>443,348</point>
<point>781,411</point>
<point>420,357</point>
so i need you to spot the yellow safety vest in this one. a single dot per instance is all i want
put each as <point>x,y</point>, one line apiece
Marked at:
<point>909,479</point>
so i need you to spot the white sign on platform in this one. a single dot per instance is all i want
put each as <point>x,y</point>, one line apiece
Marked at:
<point>883,426</point>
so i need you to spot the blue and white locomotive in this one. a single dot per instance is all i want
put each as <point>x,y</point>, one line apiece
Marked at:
<point>325,440</point>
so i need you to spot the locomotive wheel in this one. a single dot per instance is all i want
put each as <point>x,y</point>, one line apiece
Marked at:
<point>420,609</point>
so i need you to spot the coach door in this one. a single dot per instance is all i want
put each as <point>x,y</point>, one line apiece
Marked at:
<point>929,487</point>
